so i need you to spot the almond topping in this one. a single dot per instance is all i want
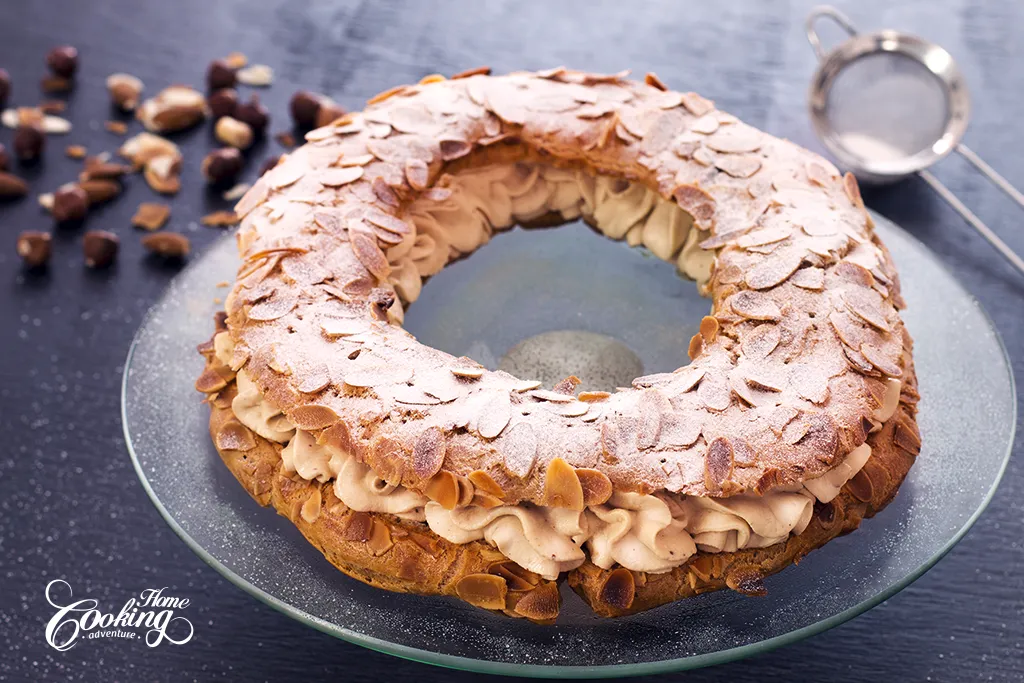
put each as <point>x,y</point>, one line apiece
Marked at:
<point>597,488</point>
<point>562,488</point>
<point>483,590</point>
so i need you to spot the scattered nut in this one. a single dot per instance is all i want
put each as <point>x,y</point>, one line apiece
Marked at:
<point>55,125</point>
<point>329,113</point>
<point>5,158</point>
<point>220,219</point>
<point>222,166</point>
<point>161,174</point>
<point>220,75</point>
<point>52,107</point>
<point>167,244</point>
<point>222,102</point>
<point>285,139</point>
<point>63,61</point>
<point>236,60</point>
<point>5,86</point>
<point>269,164</point>
<point>12,186</point>
<point>96,167</point>
<point>304,107</point>
<point>46,200</point>
<point>151,216</point>
<point>233,132</point>
<point>236,192</point>
<point>28,142</point>
<point>100,190</point>
<point>255,114</point>
<point>34,248</point>
<point>116,127</point>
<point>55,84</point>
<point>172,109</point>
<point>257,75</point>
<point>145,146</point>
<point>75,152</point>
<point>124,90</point>
<point>100,248</point>
<point>70,203</point>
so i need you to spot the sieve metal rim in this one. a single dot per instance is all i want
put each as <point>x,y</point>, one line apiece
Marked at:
<point>935,59</point>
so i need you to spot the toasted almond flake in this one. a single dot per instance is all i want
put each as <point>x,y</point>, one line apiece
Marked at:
<point>284,175</point>
<point>116,127</point>
<point>370,255</point>
<point>342,327</point>
<point>553,396</point>
<point>336,177</point>
<point>593,396</point>
<point>355,160</point>
<point>494,415</point>
<point>75,152</point>
<point>256,75</point>
<point>469,373</point>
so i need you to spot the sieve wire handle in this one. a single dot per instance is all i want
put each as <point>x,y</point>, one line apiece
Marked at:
<point>990,173</point>
<point>825,12</point>
<point>972,219</point>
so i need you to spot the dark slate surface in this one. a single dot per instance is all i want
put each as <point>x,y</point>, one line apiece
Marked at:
<point>70,504</point>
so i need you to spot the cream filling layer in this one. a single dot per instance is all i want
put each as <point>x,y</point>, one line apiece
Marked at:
<point>650,533</point>
<point>493,198</point>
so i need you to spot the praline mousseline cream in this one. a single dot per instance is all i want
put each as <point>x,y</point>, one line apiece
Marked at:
<point>801,383</point>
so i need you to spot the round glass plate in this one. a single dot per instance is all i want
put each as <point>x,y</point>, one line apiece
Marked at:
<point>525,283</point>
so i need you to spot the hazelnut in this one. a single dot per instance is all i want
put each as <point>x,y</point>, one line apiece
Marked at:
<point>328,114</point>
<point>254,114</point>
<point>5,86</point>
<point>233,132</point>
<point>304,107</point>
<point>34,248</point>
<point>222,166</point>
<point>220,75</point>
<point>100,248</point>
<point>222,102</point>
<point>269,164</point>
<point>5,158</point>
<point>70,203</point>
<point>125,90</point>
<point>63,61</point>
<point>167,244</point>
<point>12,186</point>
<point>28,142</point>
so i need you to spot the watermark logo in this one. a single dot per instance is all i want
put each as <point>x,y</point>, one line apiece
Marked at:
<point>150,617</point>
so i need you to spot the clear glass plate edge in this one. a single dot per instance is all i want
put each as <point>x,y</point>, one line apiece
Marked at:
<point>551,671</point>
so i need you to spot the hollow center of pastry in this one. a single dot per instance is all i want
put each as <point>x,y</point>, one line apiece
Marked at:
<point>552,303</point>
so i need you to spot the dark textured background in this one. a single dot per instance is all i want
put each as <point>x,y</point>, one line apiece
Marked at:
<point>70,504</point>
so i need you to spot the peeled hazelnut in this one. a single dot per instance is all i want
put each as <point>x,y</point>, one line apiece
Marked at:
<point>254,114</point>
<point>222,102</point>
<point>34,248</point>
<point>328,114</point>
<point>233,132</point>
<point>100,248</point>
<point>220,75</point>
<point>70,203</point>
<point>63,61</point>
<point>167,244</point>
<point>125,90</point>
<point>5,86</point>
<point>222,166</point>
<point>304,107</point>
<point>28,142</point>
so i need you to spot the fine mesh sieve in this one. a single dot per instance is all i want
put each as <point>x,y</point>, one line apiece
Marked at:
<point>888,105</point>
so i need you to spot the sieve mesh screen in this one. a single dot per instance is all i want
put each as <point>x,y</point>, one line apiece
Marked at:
<point>886,106</point>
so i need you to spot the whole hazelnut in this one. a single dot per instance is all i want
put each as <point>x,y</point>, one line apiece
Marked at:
<point>220,75</point>
<point>70,203</point>
<point>34,248</point>
<point>254,114</point>
<point>63,61</point>
<point>222,166</point>
<point>304,107</point>
<point>100,248</point>
<point>28,142</point>
<point>222,102</point>
<point>5,86</point>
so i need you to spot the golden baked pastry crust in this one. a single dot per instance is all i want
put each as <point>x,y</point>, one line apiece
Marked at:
<point>802,332</point>
<point>386,552</point>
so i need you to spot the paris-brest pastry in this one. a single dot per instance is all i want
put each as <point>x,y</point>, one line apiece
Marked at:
<point>415,471</point>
